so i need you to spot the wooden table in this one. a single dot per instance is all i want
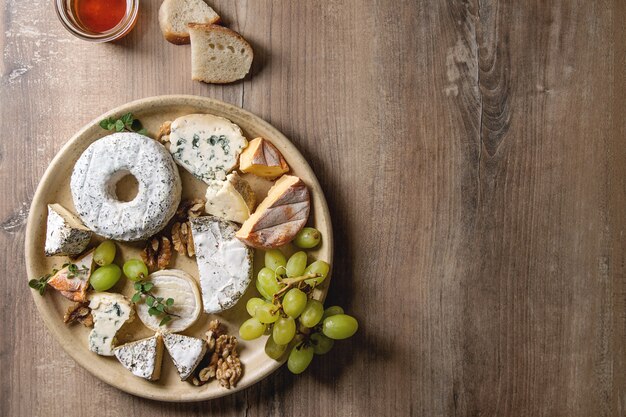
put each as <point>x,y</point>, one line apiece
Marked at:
<point>474,163</point>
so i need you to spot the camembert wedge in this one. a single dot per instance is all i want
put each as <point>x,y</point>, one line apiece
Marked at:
<point>65,233</point>
<point>231,200</point>
<point>224,262</point>
<point>72,281</point>
<point>110,312</point>
<point>186,352</point>
<point>263,159</point>
<point>279,217</point>
<point>143,357</point>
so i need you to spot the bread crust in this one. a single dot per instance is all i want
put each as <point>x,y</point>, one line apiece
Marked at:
<point>177,38</point>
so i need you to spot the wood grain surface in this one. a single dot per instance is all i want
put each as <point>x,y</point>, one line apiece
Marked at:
<point>472,155</point>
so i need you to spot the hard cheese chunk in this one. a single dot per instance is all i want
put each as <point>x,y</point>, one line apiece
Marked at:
<point>232,199</point>
<point>65,233</point>
<point>186,352</point>
<point>72,281</point>
<point>110,312</point>
<point>224,262</point>
<point>143,357</point>
<point>207,146</point>
<point>263,159</point>
<point>279,217</point>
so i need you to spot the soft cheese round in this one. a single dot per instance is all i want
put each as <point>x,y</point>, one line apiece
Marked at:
<point>108,160</point>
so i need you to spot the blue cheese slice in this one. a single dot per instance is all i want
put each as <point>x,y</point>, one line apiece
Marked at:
<point>143,357</point>
<point>231,200</point>
<point>207,146</point>
<point>110,312</point>
<point>224,262</point>
<point>186,352</point>
<point>65,233</point>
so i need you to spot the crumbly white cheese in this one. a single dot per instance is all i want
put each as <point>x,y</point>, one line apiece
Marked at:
<point>110,312</point>
<point>65,234</point>
<point>231,200</point>
<point>186,352</point>
<point>207,146</point>
<point>224,262</point>
<point>108,160</point>
<point>143,357</point>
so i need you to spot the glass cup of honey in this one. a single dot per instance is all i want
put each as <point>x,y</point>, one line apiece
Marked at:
<point>98,20</point>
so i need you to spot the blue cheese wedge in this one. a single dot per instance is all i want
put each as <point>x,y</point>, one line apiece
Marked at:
<point>65,233</point>
<point>224,262</point>
<point>110,312</point>
<point>186,352</point>
<point>143,357</point>
<point>207,146</point>
<point>231,200</point>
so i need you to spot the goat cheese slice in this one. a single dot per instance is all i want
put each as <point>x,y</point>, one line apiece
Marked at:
<point>110,312</point>
<point>224,262</point>
<point>231,200</point>
<point>143,357</point>
<point>65,233</point>
<point>186,352</point>
<point>207,146</point>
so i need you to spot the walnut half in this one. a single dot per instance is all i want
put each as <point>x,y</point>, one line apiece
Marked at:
<point>183,239</point>
<point>157,253</point>
<point>79,312</point>
<point>224,364</point>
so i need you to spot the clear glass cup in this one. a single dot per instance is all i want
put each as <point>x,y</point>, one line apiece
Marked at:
<point>66,11</point>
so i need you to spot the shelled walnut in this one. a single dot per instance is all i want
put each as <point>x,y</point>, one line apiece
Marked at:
<point>79,312</point>
<point>224,364</point>
<point>157,253</point>
<point>183,239</point>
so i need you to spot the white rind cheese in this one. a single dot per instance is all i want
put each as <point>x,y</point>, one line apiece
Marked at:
<point>176,284</point>
<point>224,262</point>
<point>231,200</point>
<point>65,233</point>
<point>107,161</point>
<point>110,312</point>
<point>143,357</point>
<point>186,352</point>
<point>207,146</point>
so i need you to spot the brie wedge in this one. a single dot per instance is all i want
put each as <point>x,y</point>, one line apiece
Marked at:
<point>72,281</point>
<point>186,352</point>
<point>224,262</point>
<point>65,233</point>
<point>110,312</point>
<point>231,200</point>
<point>143,357</point>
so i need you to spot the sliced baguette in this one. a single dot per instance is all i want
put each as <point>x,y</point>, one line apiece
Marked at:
<point>218,55</point>
<point>174,15</point>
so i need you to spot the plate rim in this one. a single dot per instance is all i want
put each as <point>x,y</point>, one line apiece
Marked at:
<point>38,198</point>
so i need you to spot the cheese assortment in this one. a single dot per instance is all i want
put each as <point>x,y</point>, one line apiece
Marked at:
<point>223,232</point>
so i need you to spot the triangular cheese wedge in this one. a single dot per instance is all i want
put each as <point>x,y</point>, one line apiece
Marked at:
<point>143,357</point>
<point>72,281</point>
<point>65,233</point>
<point>232,199</point>
<point>263,159</point>
<point>186,352</point>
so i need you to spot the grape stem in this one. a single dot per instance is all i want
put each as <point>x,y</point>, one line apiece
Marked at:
<point>291,282</point>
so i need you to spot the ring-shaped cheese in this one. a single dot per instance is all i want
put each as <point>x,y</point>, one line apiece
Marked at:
<point>108,160</point>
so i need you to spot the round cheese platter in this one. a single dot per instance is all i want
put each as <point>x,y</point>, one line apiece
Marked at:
<point>225,251</point>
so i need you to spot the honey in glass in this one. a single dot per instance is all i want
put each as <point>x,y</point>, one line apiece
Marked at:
<point>99,16</point>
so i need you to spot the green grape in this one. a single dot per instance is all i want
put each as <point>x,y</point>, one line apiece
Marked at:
<point>135,269</point>
<point>317,267</point>
<point>253,304</point>
<point>294,302</point>
<point>104,253</point>
<point>331,311</point>
<point>284,330</point>
<point>312,313</point>
<point>273,349</point>
<point>266,313</point>
<point>267,284</point>
<point>105,277</point>
<point>321,343</point>
<point>251,329</point>
<point>308,238</point>
<point>296,264</point>
<point>340,326</point>
<point>299,359</point>
<point>275,260</point>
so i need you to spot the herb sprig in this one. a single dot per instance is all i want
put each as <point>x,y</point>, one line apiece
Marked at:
<point>73,270</point>
<point>125,123</point>
<point>40,283</point>
<point>158,305</point>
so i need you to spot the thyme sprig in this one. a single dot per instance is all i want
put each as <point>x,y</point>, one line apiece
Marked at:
<point>158,306</point>
<point>125,123</point>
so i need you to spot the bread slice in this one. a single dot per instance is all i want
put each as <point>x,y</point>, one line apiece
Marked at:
<point>174,15</point>
<point>218,55</point>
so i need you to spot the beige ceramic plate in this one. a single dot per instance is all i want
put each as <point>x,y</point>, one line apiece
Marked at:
<point>54,188</point>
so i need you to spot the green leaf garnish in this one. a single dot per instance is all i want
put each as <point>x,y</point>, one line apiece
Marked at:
<point>125,123</point>
<point>157,307</point>
<point>40,283</point>
<point>165,320</point>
